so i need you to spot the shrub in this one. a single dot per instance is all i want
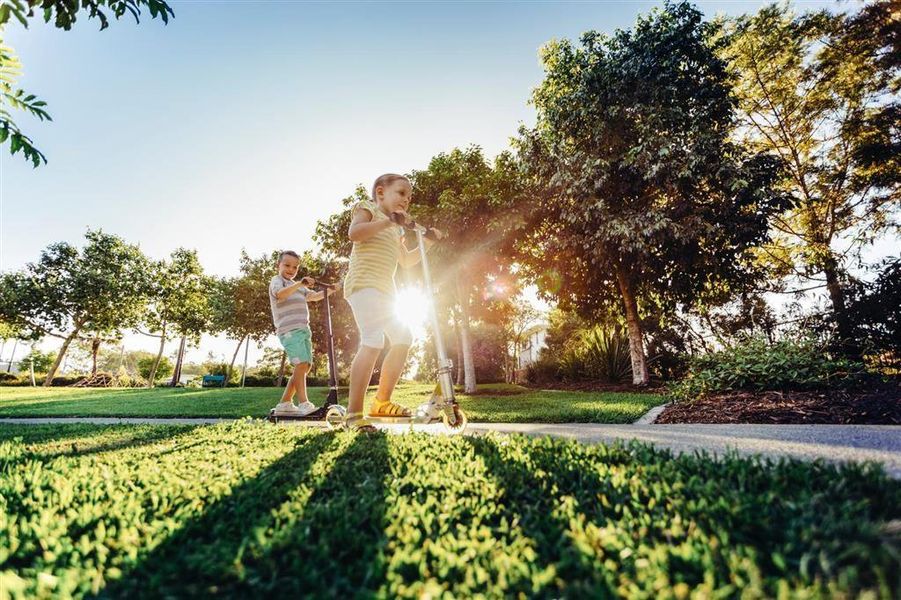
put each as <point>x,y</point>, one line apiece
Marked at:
<point>755,364</point>
<point>598,353</point>
<point>66,380</point>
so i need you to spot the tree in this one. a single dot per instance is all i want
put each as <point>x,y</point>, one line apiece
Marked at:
<point>153,366</point>
<point>102,287</point>
<point>241,304</point>
<point>812,90</point>
<point>63,14</point>
<point>42,361</point>
<point>644,201</point>
<point>469,198</point>
<point>179,302</point>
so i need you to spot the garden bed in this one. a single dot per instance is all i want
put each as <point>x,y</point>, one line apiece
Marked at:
<point>875,404</point>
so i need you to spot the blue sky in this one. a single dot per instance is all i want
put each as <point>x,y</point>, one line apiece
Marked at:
<point>240,124</point>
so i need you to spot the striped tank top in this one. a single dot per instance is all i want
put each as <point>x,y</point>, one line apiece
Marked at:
<point>373,262</point>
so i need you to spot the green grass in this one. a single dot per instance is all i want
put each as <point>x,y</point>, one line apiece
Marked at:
<point>493,403</point>
<point>244,509</point>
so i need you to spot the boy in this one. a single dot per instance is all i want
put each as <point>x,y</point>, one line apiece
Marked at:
<point>291,317</point>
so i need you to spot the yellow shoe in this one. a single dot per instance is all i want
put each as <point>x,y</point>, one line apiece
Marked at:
<point>387,408</point>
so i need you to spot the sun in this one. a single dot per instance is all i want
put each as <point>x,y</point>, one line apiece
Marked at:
<point>411,307</point>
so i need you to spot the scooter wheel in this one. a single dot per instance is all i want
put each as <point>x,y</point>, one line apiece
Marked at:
<point>459,426</point>
<point>334,416</point>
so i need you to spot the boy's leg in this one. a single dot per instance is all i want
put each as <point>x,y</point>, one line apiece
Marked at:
<point>360,374</point>
<point>299,379</point>
<point>288,394</point>
<point>392,367</point>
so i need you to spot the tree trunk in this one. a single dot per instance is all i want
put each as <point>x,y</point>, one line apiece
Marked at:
<point>459,344</point>
<point>95,348</point>
<point>231,365</point>
<point>281,370</point>
<point>176,375</point>
<point>848,342</point>
<point>12,355</point>
<point>244,368</point>
<point>469,368</point>
<point>636,344</point>
<point>59,358</point>
<point>159,356</point>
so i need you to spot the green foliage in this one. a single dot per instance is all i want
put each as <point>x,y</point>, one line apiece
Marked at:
<point>101,287</point>
<point>499,403</point>
<point>163,370</point>
<point>244,510</point>
<point>13,98</point>
<point>756,364</point>
<point>179,296</point>
<point>815,90</point>
<point>63,14</point>
<point>42,361</point>
<point>599,353</point>
<point>642,188</point>
<point>876,314</point>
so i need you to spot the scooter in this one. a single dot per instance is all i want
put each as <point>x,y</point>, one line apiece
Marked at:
<point>442,405</point>
<point>332,399</point>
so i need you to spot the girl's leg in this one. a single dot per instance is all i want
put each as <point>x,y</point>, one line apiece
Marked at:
<point>360,374</point>
<point>300,381</point>
<point>392,367</point>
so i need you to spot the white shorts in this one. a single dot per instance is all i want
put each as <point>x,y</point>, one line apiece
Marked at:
<point>374,313</point>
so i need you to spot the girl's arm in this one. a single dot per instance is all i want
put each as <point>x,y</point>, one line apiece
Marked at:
<point>362,227</point>
<point>408,258</point>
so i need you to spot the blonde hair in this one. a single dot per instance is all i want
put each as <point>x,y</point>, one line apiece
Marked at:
<point>384,181</point>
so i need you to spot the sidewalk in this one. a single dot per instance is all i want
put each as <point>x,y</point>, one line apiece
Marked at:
<point>834,443</point>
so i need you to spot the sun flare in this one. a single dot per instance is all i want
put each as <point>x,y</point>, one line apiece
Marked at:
<point>411,308</point>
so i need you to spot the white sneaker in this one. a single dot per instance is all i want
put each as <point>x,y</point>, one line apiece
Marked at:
<point>287,409</point>
<point>305,408</point>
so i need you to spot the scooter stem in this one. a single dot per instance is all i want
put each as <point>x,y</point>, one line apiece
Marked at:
<point>445,366</point>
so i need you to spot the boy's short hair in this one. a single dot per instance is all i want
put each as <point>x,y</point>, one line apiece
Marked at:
<point>285,253</point>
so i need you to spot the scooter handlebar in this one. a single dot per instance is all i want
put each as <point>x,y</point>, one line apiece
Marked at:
<point>407,223</point>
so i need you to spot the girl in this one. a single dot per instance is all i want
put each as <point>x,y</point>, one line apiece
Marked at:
<point>369,289</point>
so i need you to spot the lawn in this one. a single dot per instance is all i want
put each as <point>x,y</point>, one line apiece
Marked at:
<point>242,509</point>
<point>493,403</point>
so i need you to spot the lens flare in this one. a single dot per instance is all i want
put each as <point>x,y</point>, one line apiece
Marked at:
<point>411,307</point>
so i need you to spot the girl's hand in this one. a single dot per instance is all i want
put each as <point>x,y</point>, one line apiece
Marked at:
<point>400,217</point>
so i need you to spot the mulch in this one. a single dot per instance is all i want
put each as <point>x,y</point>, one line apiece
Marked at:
<point>877,403</point>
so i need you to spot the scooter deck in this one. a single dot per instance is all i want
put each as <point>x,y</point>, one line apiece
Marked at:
<point>316,415</point>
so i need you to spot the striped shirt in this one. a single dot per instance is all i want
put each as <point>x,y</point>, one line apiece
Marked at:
<point>289,313</point>
<point>373,262</point>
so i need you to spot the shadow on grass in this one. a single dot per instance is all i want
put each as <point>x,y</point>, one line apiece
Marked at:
<point>533,493</point>
<point>311,523</point>
<point>83,440</point>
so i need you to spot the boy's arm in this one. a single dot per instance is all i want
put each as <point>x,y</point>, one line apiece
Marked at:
<point>288,290</point>
<point>362,227</point>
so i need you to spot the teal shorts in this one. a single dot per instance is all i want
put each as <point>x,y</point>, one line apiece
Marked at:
<point>298,344</point>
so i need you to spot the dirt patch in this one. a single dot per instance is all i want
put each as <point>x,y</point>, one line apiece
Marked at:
<point>877,403</point>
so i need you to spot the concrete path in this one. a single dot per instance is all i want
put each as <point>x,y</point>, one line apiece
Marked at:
<point>834,443</point>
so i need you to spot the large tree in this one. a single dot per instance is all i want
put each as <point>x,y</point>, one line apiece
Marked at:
<point>469,198</point>
<point>816,90</point>
<point>62,14</point>
<point>179,303</point>
<point>645,201</point>
<point>67,292</point>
